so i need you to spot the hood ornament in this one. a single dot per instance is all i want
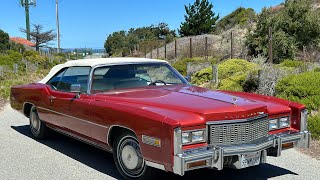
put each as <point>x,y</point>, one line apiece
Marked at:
<point>234,99</point>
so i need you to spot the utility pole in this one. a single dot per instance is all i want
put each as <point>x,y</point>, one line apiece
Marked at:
<point>26,4</point>
<point>58,27</point>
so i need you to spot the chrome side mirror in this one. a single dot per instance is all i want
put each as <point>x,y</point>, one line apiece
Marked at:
<point>75,88</point>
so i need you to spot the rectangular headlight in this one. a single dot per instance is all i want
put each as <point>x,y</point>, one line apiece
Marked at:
<point>273,124</point>
<point>284,122</point>
<point>191,137</point>
<point>186,138</point>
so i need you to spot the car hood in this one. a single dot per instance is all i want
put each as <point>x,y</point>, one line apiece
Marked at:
<point>211,105</point>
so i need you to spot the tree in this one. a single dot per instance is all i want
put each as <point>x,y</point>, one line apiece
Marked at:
<point>294,26</point>
<point>121,43</point>
<point>4,41</point>
<point>40,37</point>
<point>200,19</point>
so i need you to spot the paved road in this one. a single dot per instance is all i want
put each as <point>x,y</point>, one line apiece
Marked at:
<point>22,157</point>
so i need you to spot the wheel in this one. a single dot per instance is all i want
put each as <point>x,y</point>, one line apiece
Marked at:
<point>128,158</point>
<point>38,128</point>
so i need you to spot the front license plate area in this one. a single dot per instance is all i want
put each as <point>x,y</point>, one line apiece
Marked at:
<point>251,159</point>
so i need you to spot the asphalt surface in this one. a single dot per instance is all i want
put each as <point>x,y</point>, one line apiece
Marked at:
<point>60,157</point>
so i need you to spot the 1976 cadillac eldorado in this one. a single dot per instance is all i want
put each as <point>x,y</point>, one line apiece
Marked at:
<point>148,115</point>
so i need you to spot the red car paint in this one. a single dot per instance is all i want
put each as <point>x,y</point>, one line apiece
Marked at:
<point>154,111</point>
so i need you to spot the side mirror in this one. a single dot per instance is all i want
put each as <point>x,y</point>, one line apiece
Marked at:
<point>75,88</point>
<point>188,78</point>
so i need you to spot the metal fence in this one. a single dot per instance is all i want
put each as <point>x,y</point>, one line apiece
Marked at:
<point>24,66</point>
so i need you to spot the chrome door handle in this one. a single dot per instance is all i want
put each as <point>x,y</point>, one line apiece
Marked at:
<point>52,98</point>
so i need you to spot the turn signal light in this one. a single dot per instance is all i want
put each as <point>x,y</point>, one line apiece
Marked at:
<point>197,164</point>
<point>287,146</point>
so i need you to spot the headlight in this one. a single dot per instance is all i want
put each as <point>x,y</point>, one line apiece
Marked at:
<point>284,122</point>
<point>191,137</point>
<point>273,124</point>
<point>279,123</point>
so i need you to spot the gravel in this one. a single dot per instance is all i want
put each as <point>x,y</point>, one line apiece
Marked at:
<point>60,157</point>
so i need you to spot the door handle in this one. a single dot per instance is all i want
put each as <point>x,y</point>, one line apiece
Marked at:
<point>51,98</point>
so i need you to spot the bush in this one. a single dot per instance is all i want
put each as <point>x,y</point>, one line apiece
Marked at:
<point>203,76</point>
<point>302,88</point>
<point>234,74</point>
<point>291,63</point>
<point>181,65</point>
<point>314,125</point>
<point>235,66</point>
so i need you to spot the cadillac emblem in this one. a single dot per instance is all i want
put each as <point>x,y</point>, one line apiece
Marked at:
<point>234,100</point>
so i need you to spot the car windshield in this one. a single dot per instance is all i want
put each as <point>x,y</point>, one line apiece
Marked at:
<point>134,75</point>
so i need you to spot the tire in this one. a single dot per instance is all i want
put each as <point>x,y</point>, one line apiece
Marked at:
<point>128,158</point>
<point>38,128</point>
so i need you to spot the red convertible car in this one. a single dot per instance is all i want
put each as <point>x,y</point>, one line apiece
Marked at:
<point>148,115</point>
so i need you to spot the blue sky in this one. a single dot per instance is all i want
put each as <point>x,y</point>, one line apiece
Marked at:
<point>87,23</point>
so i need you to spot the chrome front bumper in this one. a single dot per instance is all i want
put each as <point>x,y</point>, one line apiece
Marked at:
<point>214,155</point>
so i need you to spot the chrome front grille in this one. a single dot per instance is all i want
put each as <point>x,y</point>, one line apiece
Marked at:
<point>236,133</point>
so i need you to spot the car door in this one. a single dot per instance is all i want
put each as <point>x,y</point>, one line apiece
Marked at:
<point>70,110</point>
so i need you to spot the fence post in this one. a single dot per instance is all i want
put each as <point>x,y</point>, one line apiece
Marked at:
<point>190,47</point>
<point>157,52</point>
<point>165,51</point>
<point>151,54</point>
<point>232,44</point>
<point>175,49</point>
<point>15,68</point>
<point>1,71</point>
<point>270,46</point>
<point>215,74</point>
<point>206,47</point>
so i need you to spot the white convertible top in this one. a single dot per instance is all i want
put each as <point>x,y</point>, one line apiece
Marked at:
<point>96,62</point>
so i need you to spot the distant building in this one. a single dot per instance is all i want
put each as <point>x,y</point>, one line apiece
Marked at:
<point>26,43</point>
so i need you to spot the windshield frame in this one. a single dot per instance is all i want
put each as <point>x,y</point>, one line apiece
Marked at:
<point>173,70</point>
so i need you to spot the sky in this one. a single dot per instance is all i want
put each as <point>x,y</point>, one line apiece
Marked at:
<point>86,24</point>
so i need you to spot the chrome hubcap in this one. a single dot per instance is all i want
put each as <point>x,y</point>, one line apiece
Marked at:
<point>129,157</point>
<point>35,122</point>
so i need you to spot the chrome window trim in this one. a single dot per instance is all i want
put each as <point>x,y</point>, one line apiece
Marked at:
<point>117,64</point>
<point>245,120</point>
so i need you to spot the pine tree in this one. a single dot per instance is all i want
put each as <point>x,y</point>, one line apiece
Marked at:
<point>200,19</point>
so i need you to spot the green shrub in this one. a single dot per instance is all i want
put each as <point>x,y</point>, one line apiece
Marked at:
<point>291,63</point>
<point>316,69</point>
<point>202,76</point>
<point>234,74</point>
<point>302,88</point>
<point>229,84</point>
<point>181,65</point>
<point>314,125</point>
<point>235,66</point>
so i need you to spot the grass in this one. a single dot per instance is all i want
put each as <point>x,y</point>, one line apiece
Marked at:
<point>12,79</point>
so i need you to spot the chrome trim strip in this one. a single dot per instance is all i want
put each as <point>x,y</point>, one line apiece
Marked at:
<point>155,165</point>
<point>108,133</point>
<point>245,120</point>
<point>69,134</point>
<point>86,121</point>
